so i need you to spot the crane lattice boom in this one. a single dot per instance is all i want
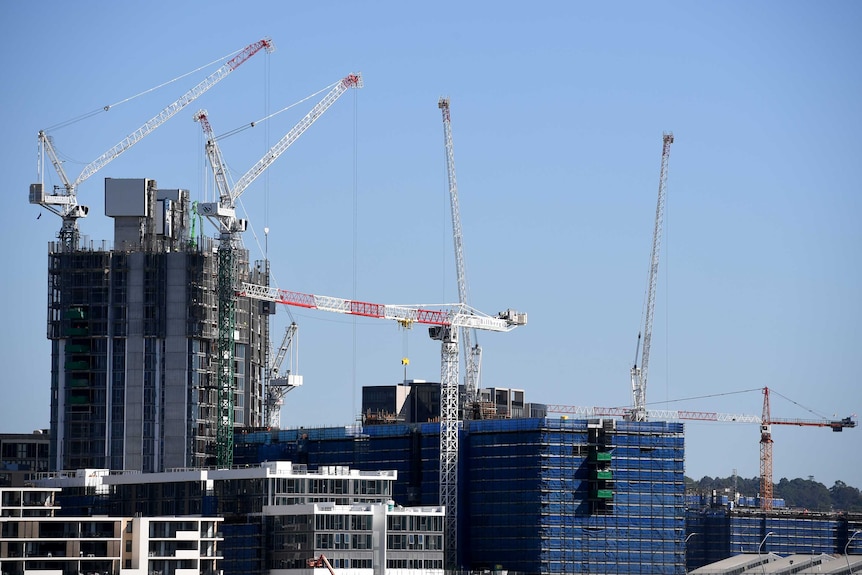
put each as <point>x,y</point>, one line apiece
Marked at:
<point>472,354</point>
<point>656,414</point>
<point>639,374</point>
<point>450,315</point>
<point>349,81</point>
<point>184,100</point>
<point>223,213</point>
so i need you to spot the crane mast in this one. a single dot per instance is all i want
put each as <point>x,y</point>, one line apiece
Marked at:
<point>444,322</point>
<point>223,215</point>
<point>639,374</point>
<point>64,201</point>
<point>472,353</point>
<point>766,454</point>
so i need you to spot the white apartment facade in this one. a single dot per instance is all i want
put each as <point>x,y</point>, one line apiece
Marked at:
<point>34,540</point>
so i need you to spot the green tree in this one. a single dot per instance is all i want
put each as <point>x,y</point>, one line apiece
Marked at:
<point>796,493</point>
<point>845,498</point>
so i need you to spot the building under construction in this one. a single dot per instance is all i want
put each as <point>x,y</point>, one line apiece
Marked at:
<point>134,330</point>
<point>536,495</point>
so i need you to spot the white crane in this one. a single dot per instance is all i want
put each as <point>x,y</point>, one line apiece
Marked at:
<point>639,374</point>
<point>223,215</point>
<point>445,320</point>
<point>472,353</point>
<point>64,200</point>
<point>278,384</point>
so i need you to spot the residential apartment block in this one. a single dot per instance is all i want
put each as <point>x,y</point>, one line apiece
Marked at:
<point>276,515</point>
<point>35,538</point>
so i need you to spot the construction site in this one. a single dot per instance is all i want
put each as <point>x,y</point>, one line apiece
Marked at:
<point>163,359</point>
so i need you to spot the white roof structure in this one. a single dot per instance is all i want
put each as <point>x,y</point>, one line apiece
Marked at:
<point>771,564</point>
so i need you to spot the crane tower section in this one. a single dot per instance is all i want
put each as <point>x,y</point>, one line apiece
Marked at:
<point>639,374</point>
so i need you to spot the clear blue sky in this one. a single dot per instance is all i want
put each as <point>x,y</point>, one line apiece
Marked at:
<point>557,113</point>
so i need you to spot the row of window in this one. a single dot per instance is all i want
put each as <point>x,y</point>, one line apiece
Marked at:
<point>334,486</point>
<point>342,522</point>
<point>415,523</point>
<point>15,450</point>
<point>414,563</point>
<point>412,541</point>
<point>342,541</point>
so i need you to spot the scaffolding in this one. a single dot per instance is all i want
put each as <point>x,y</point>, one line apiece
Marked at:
<point>537,495</point>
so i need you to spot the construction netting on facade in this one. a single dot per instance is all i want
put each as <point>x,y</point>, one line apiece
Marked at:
<point>719,532</point>
<point>606,496</point>
<point>535,495</point>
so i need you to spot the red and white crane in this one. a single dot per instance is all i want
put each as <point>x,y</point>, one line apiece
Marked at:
<point>639,374</point>
<point>472,352</point>
<point>766,423</point>
<point>223,215</point>
<point>444,321</point>
<point>63,201</point>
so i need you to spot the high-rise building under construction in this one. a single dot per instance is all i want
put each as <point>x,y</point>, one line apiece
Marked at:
<point>134,331</point>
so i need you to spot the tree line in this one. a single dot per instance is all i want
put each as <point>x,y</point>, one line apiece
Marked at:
<point>796,493</point>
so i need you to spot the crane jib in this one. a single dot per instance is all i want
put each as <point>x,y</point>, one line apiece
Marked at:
<point>365,309</point>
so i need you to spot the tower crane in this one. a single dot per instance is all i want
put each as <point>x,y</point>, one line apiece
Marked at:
<point>278,385</point>
<point>223,215</point>
<point>64,199</point>
<point>444,322</point>
<point>765,421</point>
<point>472,353</point>
<point>639,374</point>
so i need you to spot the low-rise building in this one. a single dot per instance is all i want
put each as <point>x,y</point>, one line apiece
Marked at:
<point>23,456</point>
<point>277,515</point>
<point>35,539</point>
